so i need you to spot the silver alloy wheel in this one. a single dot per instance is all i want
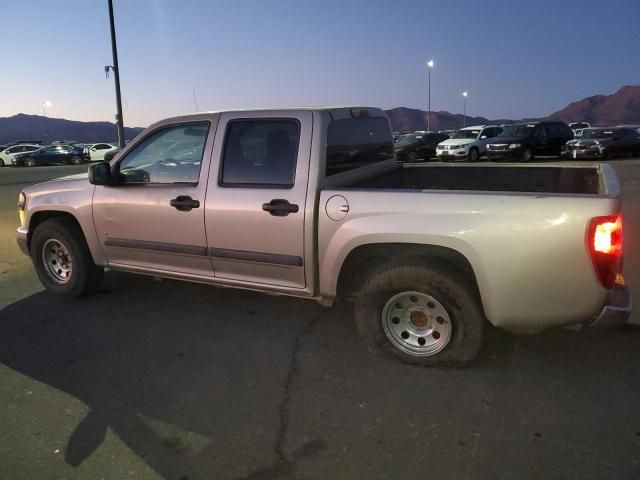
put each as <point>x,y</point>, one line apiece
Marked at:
<point>76,160</point>
<point>57,261</point>
<point>528,155</point>
<point>416,323</point>
<point>30,162</point>
<point>473,155</point>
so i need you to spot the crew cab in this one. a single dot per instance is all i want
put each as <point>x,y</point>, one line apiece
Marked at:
<point>311,203</point>
<point>525,141</point>
<point>469,143</point>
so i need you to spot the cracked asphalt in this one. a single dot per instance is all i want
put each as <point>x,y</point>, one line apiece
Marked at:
<point>150,379</point>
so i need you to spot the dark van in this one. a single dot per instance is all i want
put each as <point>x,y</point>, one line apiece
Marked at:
<point>525,141</point>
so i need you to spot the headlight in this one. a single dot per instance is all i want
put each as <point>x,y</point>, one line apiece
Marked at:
<point>22,201</point>
<point>513,146</point>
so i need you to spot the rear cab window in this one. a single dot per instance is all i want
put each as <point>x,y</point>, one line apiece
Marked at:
<point>357,142</point>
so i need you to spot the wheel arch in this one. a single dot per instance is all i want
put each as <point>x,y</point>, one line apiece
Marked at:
<point>365,259</point>
<point>38,217</point>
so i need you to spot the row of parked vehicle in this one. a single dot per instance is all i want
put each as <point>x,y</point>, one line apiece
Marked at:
<point>60,153</point>
<point>520,142</point>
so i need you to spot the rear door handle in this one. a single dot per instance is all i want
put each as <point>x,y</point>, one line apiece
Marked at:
<point>184,203</point>
<point>279,207</point>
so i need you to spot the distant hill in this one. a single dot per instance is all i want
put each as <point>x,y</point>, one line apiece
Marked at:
<point>410,119</point>
<point>37,127</point>
<point>621,108</point>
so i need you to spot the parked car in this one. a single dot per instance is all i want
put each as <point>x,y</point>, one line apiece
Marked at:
<point>603,143</point>
<point>50,155</point>
<point>525,141</point>
<point>469,143</point>
<point>578,126</point>
<point>418,145</point>
<point>96,152</point>
<point>315,206</point>
<point>8,153</point>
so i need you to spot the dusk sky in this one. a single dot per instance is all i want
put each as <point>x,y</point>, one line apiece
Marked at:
<point>516,59</point>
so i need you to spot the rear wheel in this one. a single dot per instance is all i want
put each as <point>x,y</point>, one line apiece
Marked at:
<point>30,162</point>
<point>62,259</point>
<point>422,314</point>
<point>412,157</point>
<point>474,155</point>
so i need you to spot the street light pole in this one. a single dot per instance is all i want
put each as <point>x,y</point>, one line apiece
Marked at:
<point>429,67</point>
<point>45,104</point>
<point>116,74</point>
<point>464,109</point>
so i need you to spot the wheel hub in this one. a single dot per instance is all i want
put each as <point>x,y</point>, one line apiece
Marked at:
<point>57,261</point>
<point>416,323</point>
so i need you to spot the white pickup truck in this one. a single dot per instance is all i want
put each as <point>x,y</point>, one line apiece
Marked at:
<point>311,203</point>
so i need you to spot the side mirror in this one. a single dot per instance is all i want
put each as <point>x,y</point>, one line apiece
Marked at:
<point>100,173</point>
<point>483,137</point>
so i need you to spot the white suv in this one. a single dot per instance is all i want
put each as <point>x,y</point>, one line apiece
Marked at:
<point>9,152</point>
<point>469,143</point>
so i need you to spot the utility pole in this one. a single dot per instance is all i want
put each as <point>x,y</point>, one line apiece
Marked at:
<point>116,74</point>
<point>195,99</point>
<point>429,67</point>
<point>464,108</point>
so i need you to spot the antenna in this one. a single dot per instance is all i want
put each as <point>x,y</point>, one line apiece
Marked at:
<point>195,99</point>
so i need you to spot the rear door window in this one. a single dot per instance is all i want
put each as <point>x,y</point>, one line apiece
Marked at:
<point>357,142</point>
<point>260,152</point>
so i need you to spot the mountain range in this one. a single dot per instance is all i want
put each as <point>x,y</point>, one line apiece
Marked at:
<point>622,107</point>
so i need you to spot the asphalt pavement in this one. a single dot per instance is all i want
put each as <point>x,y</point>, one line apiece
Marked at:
<point>152,379</point>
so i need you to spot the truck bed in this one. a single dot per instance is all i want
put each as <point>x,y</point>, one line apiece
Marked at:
<point>533,178</point>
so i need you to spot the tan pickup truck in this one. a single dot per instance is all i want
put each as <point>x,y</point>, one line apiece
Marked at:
<point>311,203</point>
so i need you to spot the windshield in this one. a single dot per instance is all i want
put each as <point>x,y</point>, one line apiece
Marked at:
<point>519,130</point>
<point>409,139</point>
<point>471,134</point>
<point>596,133</point>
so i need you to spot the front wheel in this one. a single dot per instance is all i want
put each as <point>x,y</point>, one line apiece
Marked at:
<point>62,259</point>
<point>422,314</point>
<point>412,157</point>
<point>474,155</point>
<point>527,155</point>
<point>76,160</point>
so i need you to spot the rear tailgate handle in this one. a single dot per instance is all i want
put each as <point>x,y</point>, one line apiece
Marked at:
<point>184,203</point>
<point>279,207</point>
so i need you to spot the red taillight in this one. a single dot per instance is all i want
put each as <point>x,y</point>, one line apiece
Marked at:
<point>605,247</point>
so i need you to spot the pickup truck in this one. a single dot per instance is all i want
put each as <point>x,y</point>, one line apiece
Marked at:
<point>311,203</point>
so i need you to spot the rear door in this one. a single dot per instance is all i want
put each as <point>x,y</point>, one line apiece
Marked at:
<point>255,208</point>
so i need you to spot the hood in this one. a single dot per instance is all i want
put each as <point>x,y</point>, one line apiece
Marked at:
<point>589,141</point>
<point>74,182</point>
<point>505,140</point>
<point>457,141</point>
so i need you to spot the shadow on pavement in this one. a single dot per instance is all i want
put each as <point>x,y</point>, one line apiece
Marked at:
<point>208,383</point>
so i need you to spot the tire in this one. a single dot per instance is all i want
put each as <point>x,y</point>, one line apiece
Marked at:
<point>444,292</point>
<point>474,155</point>
<point>62,259</point>
<point>412,157</point>
<point>29,162</point>
<point>76,160</point>
<point>527,155</point>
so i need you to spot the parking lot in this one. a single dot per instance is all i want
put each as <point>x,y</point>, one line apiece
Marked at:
<point>153,379</point>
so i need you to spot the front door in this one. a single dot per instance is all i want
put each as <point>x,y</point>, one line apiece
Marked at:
<point>255,209</point>
<point>154,218</point>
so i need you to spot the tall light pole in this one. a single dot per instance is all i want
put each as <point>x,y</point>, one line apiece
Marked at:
<point>116,75</point>
<point>464,108</point>
<point>429,67</point>
<point>45,104</point>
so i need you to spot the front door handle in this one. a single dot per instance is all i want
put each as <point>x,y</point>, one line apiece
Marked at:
<point>184,203</point>
<point>279,207</point>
